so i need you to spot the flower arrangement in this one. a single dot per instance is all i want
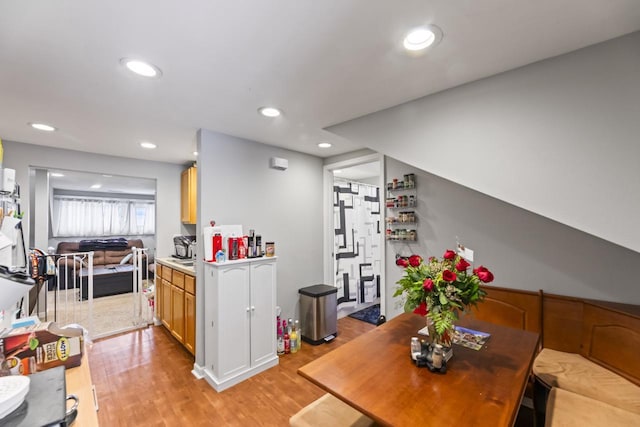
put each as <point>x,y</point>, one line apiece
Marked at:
<point>439,288</point>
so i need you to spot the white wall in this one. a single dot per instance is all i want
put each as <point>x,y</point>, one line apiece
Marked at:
<point>237,186</point>
<point>558,137</point>
<point>522,249</point>
<point>22,156</point>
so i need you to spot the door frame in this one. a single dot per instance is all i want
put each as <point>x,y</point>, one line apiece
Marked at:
<point>327,216</point>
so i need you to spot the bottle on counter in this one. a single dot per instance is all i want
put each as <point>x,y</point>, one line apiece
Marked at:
<point>293,339</point>
<point>297,324</point>
<point>287,343</point>
<point>280,340</point>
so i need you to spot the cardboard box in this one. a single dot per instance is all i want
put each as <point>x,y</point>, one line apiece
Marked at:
<point>34,348</point>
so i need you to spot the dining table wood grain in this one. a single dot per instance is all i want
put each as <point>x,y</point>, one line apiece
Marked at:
<point>375,374</point>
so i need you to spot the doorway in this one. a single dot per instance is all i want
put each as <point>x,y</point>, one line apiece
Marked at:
<point>68,206</point>
<point>354,240</point>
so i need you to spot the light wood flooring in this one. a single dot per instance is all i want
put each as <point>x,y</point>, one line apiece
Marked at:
<point>144,378</point>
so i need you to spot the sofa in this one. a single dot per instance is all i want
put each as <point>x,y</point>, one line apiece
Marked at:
<point>112,265</point>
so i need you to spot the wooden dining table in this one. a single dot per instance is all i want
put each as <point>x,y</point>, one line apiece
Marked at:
<point>375,374</point>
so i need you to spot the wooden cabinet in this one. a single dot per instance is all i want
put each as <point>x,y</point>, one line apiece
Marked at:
<point>190,322</point>
<point>157,280</point>
<point>177,313</point>
<point>177,306</point>
<point>166,316</point>
<point>188,195</point>
<point>190,313</point>
<point>240,334</point>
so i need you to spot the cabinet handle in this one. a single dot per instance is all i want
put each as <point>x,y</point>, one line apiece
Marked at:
<point>247,309</point>
<point>253,308</point>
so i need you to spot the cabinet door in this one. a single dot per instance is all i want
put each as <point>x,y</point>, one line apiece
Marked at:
<point>166,304</point>
<point>177,313</point>
<point>157,298</point>
<point>188,195</point>
<point>233,321</point>
<point>190,322</point>
<point>263,312</point>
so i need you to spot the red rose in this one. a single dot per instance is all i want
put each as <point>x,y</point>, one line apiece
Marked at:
<point>427,284</point>
<point>415,260</point>
<point>462,265</point>
<point>432,258</point>
<point>402,262</point>
<point>483,274</point>
<point>421,309</point>
<point>449,276</point>
<point>449,254</point>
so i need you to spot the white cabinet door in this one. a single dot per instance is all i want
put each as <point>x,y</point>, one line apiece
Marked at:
<point>233,321</point>
<point>263,314</point>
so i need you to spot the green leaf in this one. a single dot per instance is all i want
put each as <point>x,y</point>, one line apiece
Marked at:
<point>443,299</point>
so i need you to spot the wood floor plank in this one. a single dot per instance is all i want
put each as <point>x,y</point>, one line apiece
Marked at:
<point>143,378</point>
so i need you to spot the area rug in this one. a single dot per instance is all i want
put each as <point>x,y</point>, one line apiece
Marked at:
<point>369,314</point>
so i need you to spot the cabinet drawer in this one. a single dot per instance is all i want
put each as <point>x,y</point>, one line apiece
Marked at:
<point>158,270</point>
<point>190,284</point>
<point>178,279</point>
<point>166,273</point>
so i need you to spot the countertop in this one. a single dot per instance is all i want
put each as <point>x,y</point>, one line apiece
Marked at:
<point>175,263</point>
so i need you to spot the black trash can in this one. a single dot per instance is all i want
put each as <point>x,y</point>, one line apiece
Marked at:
<point>319,313</point>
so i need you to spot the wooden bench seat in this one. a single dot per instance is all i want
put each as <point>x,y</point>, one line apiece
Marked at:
<point>572,372</point>
<point>329,411</point>
<point>567,409</point>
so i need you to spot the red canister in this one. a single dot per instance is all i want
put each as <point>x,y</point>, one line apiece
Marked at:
<point>217,244</point>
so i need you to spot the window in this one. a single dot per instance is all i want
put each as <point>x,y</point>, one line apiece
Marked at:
<point>87,216</point>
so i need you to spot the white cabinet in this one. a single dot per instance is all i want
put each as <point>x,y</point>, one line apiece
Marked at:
<point>240,312</point>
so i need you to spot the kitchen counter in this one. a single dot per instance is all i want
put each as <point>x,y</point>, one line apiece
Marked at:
<point>178,264</point>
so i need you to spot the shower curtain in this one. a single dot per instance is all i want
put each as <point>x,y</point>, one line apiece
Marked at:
<point>357,242</point>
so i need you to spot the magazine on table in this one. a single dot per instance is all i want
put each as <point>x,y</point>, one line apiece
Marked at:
<point>470,338</point>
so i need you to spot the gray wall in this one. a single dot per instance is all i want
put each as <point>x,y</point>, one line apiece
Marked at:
<point>22,156</point>
<point>558,137</point>
<point>237,186</point>
<point>522,249</point>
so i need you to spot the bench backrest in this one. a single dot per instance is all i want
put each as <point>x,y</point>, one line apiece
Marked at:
<point>604,332</point>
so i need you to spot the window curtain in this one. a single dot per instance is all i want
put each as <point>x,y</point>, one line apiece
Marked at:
<point>101,217</point>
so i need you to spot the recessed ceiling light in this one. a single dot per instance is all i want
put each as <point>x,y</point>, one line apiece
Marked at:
<point>324,145</point>
<point>96,186</point>
<point>42,126</point>
<point>421,38</point>
<point>141,68</point>
<point>56,174</point>
<point>269,111</point>
<point>148,145</point>
<point>337,171</point>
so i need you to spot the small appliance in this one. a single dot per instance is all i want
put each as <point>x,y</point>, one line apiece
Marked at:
<point>184,246</point>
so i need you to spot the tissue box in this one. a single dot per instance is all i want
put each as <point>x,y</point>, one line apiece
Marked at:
<point>34,348</point>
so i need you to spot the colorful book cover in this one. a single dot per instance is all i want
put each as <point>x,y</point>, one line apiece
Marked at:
<point>470,338</point>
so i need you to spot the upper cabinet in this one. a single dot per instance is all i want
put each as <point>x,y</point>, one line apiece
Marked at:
<point>188,195</point>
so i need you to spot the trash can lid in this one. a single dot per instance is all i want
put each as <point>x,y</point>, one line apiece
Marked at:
<point>318,290</point>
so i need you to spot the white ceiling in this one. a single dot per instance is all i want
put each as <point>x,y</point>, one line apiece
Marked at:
<point>322,62</point>
<point>82,181</point>
<point>361,171</point>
